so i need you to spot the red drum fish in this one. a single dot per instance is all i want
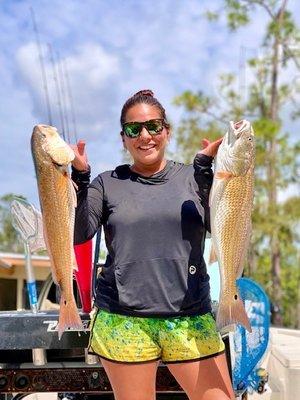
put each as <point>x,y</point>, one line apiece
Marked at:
<point>231,203</point>
<point>57,195</point>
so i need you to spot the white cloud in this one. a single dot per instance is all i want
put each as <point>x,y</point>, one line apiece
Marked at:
<point>93,74</point>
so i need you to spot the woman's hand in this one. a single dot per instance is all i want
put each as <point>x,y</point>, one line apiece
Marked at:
<point>210,148</point>
<point>80,161</point>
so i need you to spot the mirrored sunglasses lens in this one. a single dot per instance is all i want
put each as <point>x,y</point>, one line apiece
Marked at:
<point>154,127</point>
<point>132,130</point>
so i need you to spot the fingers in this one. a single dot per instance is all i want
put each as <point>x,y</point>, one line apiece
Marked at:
<point>78,147</point>
<point>215,145</point>
<point>218,141</point>
<point>81,147</point>
<point>80,161</point>
<point>205,143</point>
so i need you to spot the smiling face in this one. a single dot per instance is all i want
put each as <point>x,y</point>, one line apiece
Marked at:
<point>146,150</point>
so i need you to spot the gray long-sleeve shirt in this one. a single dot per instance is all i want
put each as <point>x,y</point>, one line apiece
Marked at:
<point>154,231</point>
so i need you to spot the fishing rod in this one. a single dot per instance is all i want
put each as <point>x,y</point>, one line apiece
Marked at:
<point>63,92</point>
<point>57,89</point>
<point>70,98</point>
<point>42,65</point>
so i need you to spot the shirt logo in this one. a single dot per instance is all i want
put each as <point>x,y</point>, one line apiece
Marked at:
<point>192,269</point>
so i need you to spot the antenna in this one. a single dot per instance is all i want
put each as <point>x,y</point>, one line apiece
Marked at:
<point>242,75</point>
<point>57,89</point>
<point>44,76</point>
<point>63,92</point>
<point>70,98</point>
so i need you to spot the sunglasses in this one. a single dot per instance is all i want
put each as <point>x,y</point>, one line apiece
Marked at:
<point>134,129</point>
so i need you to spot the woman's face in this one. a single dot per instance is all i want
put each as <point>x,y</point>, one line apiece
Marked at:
<point>146,149</point>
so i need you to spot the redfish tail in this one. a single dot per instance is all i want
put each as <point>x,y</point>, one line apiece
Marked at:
<point>68,317</point>
<point>232,313</point>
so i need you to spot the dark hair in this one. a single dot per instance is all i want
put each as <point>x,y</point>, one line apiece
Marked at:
<point>143,97</point>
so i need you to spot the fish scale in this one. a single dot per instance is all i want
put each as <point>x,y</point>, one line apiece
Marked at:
<point>235,204</point>
<point>57,234</point>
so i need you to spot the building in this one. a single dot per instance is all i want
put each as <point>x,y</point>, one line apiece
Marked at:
<point>13,291</point>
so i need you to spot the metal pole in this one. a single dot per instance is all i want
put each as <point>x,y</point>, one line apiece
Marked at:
<point>242,75</point>
<point>70,97</point>
<point>63,92</point>
<point>58,93</point>
<point>44,76</point>
<point>31,283</point>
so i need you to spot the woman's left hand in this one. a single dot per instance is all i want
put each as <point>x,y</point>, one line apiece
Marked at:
<point>210,148</point>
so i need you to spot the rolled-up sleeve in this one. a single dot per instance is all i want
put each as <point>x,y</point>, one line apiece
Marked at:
<point>203,175</point>
<point>89,210</point>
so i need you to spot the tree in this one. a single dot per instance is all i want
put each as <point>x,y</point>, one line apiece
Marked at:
<point>274,253</point>
<point>9,240</point>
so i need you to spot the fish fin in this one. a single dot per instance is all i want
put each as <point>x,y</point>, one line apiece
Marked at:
<point>75,265</point>
<point>213,255</point>
<point>68,317</point>
<point>210,197</point>
<point>72,222</point>
<point>240,271</point>
<point>223,175</point>
<point>74,184</point>
<point>53,269</point>
<point>73,188</point>
<point>240,266</point>
<point>232,313</point>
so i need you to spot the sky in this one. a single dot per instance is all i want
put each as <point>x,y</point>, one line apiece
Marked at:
<point>110,50</point>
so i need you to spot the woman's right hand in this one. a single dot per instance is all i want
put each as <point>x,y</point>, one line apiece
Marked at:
<point>80,161</point>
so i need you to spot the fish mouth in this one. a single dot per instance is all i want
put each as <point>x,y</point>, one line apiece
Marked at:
<point>231,137</point>
<point>236,129</point>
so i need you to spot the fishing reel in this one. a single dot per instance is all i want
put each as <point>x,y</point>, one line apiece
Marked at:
<point>256,382</point>
<point>263,379</point>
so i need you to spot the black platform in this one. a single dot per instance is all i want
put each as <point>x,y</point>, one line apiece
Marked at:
<point>66,369</point>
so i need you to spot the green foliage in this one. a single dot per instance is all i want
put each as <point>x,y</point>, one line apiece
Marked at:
<point>266,129</point>
<point>291,208</point>
<point>194,101</point>
<point>290,278</point>
<point>237,14</point>
<point>9,240</point>
<point>189,137</point>
<point>284,31</point>
<point>211,16</point>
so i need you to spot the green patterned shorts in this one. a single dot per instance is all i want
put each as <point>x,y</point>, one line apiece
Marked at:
<point>129,339</point>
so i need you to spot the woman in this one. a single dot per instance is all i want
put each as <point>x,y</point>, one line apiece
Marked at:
<point>152,300</point>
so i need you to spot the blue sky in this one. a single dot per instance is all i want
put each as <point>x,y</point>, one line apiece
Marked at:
<point>112,49</point>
